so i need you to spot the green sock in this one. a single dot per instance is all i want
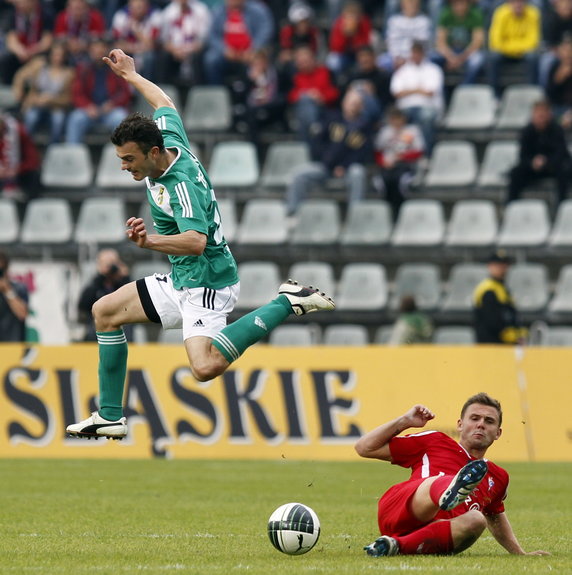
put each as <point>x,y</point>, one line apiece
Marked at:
<point>235,338</point>
<point>111,371</point>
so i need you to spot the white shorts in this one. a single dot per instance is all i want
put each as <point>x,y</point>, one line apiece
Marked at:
<point>199,311</point>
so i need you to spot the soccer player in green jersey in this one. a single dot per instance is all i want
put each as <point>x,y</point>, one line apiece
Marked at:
<point>203,285</point>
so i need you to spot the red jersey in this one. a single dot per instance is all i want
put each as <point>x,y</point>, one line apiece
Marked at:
<point>236,34</point>
<point>432,453</point>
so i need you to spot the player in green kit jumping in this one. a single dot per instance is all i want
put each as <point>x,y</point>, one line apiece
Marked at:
<point>203,285</point>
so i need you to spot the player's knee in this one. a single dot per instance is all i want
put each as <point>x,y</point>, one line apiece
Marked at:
<point>205,371</point>
<point>103,313</point>
<point>475,522</point>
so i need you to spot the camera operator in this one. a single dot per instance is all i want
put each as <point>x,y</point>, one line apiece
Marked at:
<point>13,305</point>
<point>112,273</point>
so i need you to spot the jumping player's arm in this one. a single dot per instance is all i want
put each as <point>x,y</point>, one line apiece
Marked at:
<point>375,444</point>
<point>501,529</point>
<point>124,66</point>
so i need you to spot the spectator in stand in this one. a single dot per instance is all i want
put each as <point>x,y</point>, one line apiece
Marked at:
<point>417,87</point>
<point>460,39</point>
<point>185,32</point>
<point>43,89</point>
<point>342,147</point>
<point>136,29</point>
<point>543,154</point>
<point>239,28</point>
<point>19,161</point>
<point>412,326</point>
<point>351,30</point>
<point>312,90</point>
<point>13,304</point>
<point>99,96</point>
<point>514,36</point>
<point>559,87</point>
<point>77,24</point>
<point>558,28</point>
<point>29,34</point>
<point>398,148</point>
<point>404,28</point>
<point>300,31</point>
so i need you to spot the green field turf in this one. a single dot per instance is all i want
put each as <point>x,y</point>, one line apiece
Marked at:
<point>209,517</point>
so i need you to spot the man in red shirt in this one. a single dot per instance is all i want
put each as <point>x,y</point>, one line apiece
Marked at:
<point>453,492</point>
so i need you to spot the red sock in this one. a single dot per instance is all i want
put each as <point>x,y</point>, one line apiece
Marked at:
<point>438,487</point>
<point>433,539</point>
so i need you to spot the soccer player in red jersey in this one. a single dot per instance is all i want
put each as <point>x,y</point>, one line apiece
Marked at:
<point>453,492</point>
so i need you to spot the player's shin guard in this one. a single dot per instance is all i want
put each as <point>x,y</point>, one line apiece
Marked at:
<point>112,370</point>
<point>235,338</point>
<point>433,539</point>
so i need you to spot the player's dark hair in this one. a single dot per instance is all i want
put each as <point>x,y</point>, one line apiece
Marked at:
<point>483,399</point>
<point>139,129</point>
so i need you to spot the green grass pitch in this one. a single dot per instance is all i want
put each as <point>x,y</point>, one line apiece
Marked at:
<point>209,517</point>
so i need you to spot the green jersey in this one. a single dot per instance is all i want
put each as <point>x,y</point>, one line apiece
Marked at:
<point>183,199</point>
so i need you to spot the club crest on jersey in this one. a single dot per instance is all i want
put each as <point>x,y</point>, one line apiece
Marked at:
<point>160,195</point>
<point>491,483</point>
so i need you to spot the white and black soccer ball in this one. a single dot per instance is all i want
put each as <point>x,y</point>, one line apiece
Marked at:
<point>294,528</point>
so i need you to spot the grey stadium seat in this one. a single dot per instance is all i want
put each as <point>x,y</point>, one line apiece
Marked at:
<point>227,209</point>
<point>499,158</point>
<point>234,165</point>
<point>472,107</point>
<point>421,223</point>
<point>208,108</point>
<point>282,158</point>
<point>561,302</point>
<point>47,221</point>
<point>422,281</point>
<point>516,104</point>
<point>101,221</point>
<point>463,279</point>
<point>346,335</point>
<point>294,335</point>
<point>454,335</point>
<point>170,337</point>
<point>528,284</point>
<point>561,235</point>
<point>263,222</point>
<point>150,267</point>
<point>259,283</point>
<point>362,287</point>
<point>453,164</point>
<point>383,334</point>
<point>67,166</point>
<point>317,274</point>
<point>557,336</point>
<point>368,222</point>
<point>317,222</point>
<point>109,173</point>
<point>526,223</point>
<point>473,223</point>
<point>9,221</point>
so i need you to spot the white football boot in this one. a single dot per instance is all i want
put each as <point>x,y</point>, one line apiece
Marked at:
<point>305,299</point>
<point>95,426</point>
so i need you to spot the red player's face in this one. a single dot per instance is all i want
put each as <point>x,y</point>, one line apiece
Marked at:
<point>479,427</point>
<point>133,160</point>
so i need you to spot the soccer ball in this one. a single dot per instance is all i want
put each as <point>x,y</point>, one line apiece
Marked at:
<point>294,528</point>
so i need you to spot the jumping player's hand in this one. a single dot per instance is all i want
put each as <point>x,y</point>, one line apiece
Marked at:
<point>419,415</point>
<point>136,231</point>
<point>120,62</point>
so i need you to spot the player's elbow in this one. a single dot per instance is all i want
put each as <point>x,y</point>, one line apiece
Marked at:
<point>361,448</point>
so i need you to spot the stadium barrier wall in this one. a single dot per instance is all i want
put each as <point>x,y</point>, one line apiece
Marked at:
<point>282,403</point>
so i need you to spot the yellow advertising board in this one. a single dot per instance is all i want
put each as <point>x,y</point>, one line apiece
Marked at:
<point>279,403</point>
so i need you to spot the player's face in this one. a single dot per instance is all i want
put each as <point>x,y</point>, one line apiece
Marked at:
<point>133,160</point>
<point>479,427</point>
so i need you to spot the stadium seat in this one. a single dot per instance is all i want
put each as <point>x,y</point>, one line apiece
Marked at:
<point>317,274</point>
<point>7,98</point>
<point>346,335</point>
<point>109,173</point>
<point>263,222</point>
<point>150,267</point>
<point>516,104</point>
<point>145,214</point>
<point>170,337</point>
<point>561,235</point>
<point>368,223</point>
<point>422,281</point>
<point>383,334</point>
<point>526,223</point>
<point>561,302</point>
<point>259,283</point>
<point>473,223</point>
<point>101,221</point>
<point>528,284</point>
<point>362,287</point>
<point>227,209</point>
<point>557,336</point>
<point>317,223</point>
<point>463,279</point>
<point>234,165</point>
<point>454,335</point>
<point>67,166</point>
<point>294,335</point>
<point>472,107</point>
<point>282,158</point>
<point>208,108</point>
<point>453,164</point>
<point>421,223</point>
<point>499,158</point>
<point>9,221</point>
<point>47,221</point>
